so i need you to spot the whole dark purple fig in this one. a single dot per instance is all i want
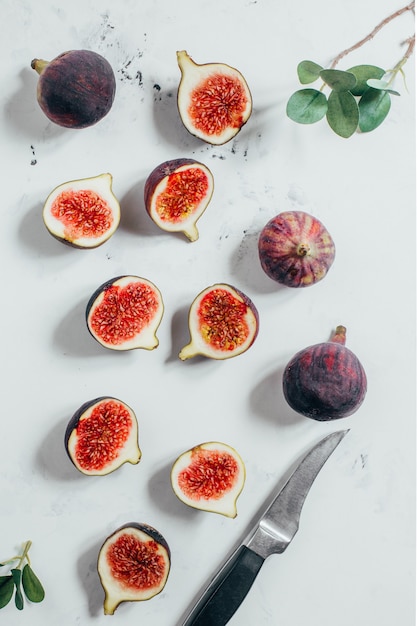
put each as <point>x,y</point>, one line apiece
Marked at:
<point>76,89</point>
<point>325,381</point>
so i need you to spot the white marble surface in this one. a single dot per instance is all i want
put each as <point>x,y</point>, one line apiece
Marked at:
<point>352,562</point>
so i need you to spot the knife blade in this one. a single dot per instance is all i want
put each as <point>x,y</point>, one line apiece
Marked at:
<point>272,534</point>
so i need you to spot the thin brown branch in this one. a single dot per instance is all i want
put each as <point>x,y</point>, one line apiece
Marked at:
<point>372,34</point>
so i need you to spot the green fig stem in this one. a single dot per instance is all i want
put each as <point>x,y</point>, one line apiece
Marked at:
<point>339,335</point>
<point>39,65</point>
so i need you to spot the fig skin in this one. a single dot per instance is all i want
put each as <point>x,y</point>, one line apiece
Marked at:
<point>325,381</point>
<point>161,174</point>
<point>115,592</point>
<point>214,100</point>
<point>144,337</point>
<point>129,452</point>
<point>200,492</point>
<point>104,217</point>
<point>245,329</point>
<point>76,89</point>
<point>295,249</point>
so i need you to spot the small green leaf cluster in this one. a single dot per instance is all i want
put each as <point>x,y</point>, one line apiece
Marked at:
<point>359,98</point>
<point>21,580</point>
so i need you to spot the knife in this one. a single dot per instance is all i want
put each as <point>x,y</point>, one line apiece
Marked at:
<point>272,534</point>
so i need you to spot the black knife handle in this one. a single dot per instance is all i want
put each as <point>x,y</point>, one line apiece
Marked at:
<point>227,591</point>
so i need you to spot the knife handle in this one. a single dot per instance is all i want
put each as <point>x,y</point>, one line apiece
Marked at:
<point>227,591</point>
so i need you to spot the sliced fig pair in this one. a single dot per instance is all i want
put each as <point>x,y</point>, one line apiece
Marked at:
<point>124,313</point>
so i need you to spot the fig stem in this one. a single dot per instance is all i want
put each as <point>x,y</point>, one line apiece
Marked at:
<point>39,65</point>
<point>339,335</point>
<point>303,249</point>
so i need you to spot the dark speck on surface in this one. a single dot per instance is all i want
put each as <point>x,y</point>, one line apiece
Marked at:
<point>34,160</point>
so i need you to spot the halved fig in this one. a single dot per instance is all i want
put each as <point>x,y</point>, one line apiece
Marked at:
<point>177,193</point>
<point>295,249</point>
<point>124,313</point>
<point>223,323</point>
<point>83,213</point>
<point>76,89</point>
<point>102,435</point>
<point>133,565</point>
<point>209,477</point>
<point>214,100</point>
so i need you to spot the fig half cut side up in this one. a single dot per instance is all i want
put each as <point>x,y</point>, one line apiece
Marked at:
<point>133,565</point>
<point>295,249</point>
<point>177,193</point>
<point>325,381</point>
<point>102,435</point>
<point>214,100</point>
<point>83,213</point>
<point>124,313</point>
<point>223,323</point>
<point>76,89</point>
<point>209,477</point>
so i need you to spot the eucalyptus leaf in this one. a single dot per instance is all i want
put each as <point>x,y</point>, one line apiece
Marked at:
<point>18,598</point>
<point>308,72</point>
<point>307,106</point>
<point>374,107</point>
<point>382,85</point>
<point>6,589</point>
<point>342,113</point>
<point>338,80</point>
<point>362,74</point>
<point>31,585</point>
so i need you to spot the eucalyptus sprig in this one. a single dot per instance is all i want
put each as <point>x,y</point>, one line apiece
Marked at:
<point>21,580</point>
<point>359,98</point>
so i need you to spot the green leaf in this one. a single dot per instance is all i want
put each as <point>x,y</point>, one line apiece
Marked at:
<point>308,72</point>
<point>382,85</point>
<point>338,80</point>
<point>374,107</point>
<point>18,598</point>
<point>362,74</point>
<point>31,585</point>
<point>6,589</point>
<point>307,106</point>
<point>342,113</point>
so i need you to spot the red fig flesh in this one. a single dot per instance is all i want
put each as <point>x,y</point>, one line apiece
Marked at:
<point>177,193</point>
<point>76,89</point>
<point>124,313</point>
<point>209,477</point>
<point>101,436</point>
<point>83,213</point>
<point>223,323</point>
<point>295,249</point>
<point>325,381</point>
<point>133,565</point>
<point>214,100</point>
